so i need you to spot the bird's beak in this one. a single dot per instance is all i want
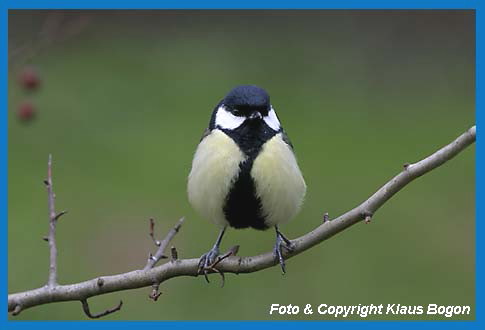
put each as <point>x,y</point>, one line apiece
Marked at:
<point>255,115</point>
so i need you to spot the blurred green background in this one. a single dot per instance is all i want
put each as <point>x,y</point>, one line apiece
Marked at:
<point>126,95</point>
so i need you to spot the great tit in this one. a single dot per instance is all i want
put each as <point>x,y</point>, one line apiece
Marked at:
<point>244,172</point>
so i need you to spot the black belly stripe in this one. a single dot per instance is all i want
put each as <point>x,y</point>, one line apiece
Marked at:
<point>243,208</point>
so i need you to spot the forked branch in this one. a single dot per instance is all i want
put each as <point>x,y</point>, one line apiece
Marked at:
<point>153,276</point>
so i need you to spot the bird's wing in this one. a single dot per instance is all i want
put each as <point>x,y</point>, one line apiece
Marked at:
<point>286,139</point>
<point>206,132</point>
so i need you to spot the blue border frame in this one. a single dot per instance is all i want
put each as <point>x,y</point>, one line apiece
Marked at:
<point>5,5</point>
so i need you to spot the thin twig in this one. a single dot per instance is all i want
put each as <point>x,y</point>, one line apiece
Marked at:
<point>155,294</point>
<point>16,311</point>
<point>163,245</point>
<point>52,282</point>
<point>86,310</point>
<point>174,254</point>
<point>232,252</point>
<point>51,239</point>
<point>237,265</point>
<point>152,234</point>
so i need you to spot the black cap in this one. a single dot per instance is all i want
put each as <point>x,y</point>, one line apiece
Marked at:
<point>248,98</point>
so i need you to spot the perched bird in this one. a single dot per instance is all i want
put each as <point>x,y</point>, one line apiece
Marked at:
<point>244,172</point>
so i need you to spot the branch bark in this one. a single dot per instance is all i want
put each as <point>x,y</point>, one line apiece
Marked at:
<point>150,275</point>
<point>52,226</point>
<point>153,259</point>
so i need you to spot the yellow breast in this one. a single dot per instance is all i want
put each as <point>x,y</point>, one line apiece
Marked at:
<point>214,168</point>
<point>279,182</point>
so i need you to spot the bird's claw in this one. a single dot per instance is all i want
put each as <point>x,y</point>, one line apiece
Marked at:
<point>282,242</point>
<point>207,261</point>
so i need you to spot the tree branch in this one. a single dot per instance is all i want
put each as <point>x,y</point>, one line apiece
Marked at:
<point>150,276</point>
<point>87,311</point>
<point>153,259</point>
<point>51,239</point>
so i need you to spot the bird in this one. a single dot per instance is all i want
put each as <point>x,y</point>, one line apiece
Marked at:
<point>244,171</point>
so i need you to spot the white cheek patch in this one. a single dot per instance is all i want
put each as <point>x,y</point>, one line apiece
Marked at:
<point>227,120</point>
<point>272,120</point>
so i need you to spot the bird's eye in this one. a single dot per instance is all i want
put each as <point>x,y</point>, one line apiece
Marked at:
<point>236,112</point>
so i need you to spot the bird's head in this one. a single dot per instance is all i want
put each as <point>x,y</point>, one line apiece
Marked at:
<point>248,105</point>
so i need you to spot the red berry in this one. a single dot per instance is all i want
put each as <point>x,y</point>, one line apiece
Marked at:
<point>26,111</point>
<point>29,78</point>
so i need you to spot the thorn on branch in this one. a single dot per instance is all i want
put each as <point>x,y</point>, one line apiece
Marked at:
<point>46,183</point>
<point>152,235</point>
<point>174,253</point>
<point>97,316</point>
<point>60,214</point>
<point>367,219</point>
<point>45,238</point>
<point>406,165</point>
<point>325,217</point>
<point>155,294</point>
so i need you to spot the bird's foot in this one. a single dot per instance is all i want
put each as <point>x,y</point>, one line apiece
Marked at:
<point>282,242</point>
<point>207,261</point>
